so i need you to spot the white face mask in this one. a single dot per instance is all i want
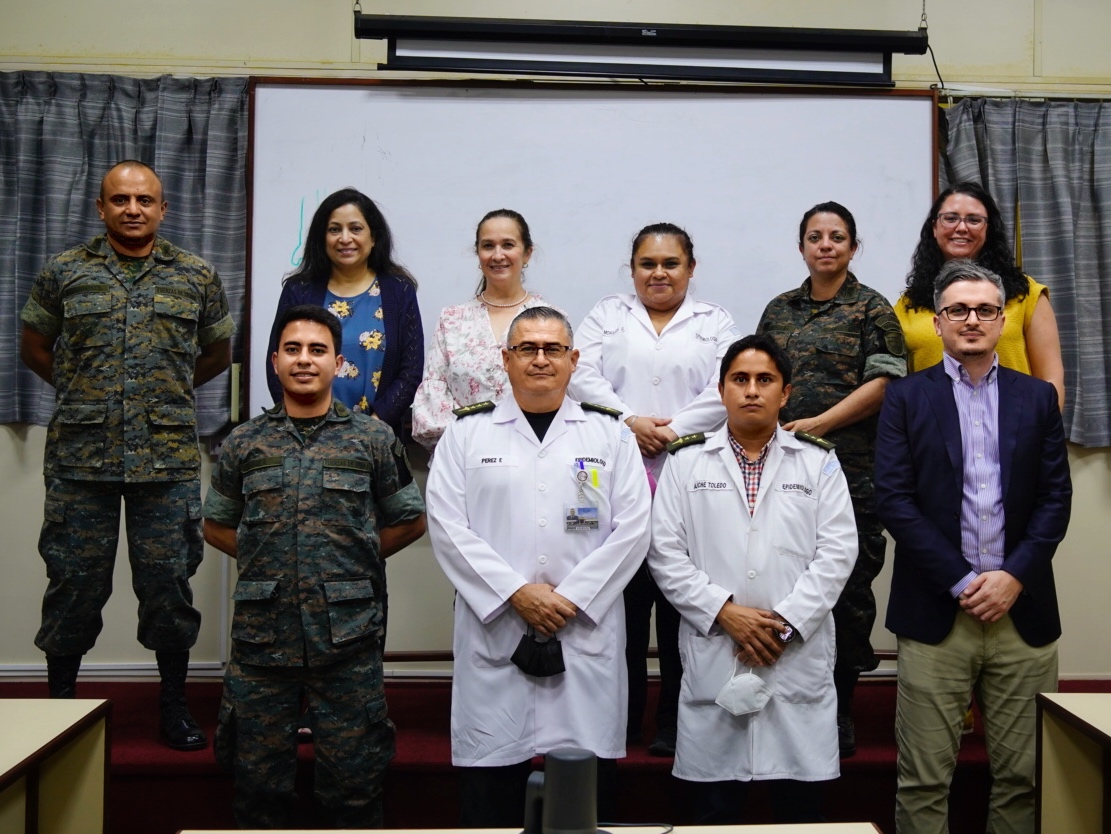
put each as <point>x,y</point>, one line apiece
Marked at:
<point>743,693</point>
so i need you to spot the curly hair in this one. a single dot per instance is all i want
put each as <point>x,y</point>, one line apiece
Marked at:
<point>996,255</point>
<point>315,266</point>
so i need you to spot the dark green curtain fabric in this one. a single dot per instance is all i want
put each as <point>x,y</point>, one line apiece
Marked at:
<point>59,133</point>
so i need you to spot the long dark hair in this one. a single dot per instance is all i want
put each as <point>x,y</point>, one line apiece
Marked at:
<point>315,266</point>
<point>996,254</point>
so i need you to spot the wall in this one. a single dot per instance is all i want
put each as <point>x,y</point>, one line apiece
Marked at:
<point>1034,46</point>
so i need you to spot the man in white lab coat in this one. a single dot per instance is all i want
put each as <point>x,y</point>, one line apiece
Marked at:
<point>538,512</point>
<point>752,540</point>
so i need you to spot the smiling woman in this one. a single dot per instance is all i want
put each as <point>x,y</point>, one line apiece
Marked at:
<point>349,268</point>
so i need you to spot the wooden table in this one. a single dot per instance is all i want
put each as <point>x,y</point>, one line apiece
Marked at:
<point>53,759</point>
<point>1074,740</point>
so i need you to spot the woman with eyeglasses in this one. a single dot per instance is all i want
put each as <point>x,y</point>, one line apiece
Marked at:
<point>653,355</point>
<point>464,364</point>
<point>965,222</point>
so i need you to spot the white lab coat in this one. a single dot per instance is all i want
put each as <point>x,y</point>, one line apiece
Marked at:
<point>624,364</point>
<point>792,556</point>
<point>496,501</point>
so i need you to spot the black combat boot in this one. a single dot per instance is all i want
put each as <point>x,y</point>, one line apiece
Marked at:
<point>61,674</point>
<point>179,730</point>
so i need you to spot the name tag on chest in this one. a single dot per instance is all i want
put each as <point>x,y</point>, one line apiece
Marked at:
<point>482,461</point>
<point>712,486</point>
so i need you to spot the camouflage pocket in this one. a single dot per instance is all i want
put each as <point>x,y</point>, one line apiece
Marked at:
<point>264,495</point>
<point>256,612</point>
<point>77,436</point>
<point>173,437</point>
<point>84,314</point>
<point>176,314</point>
<point>347,486</point>
<point>353,610</point>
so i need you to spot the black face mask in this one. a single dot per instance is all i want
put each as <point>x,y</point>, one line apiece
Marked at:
<point>539,658</point>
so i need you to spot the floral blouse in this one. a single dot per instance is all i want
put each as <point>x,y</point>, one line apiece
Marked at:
<point>363,349</point>
<point>463,366</point>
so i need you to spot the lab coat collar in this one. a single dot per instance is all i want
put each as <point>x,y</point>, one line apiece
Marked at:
<point>508,411</point>
<point>785,443</point>
<point>640,312</point>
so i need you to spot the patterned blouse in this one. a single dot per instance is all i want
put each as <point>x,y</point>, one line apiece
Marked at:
<point>463,366</point>
<point>364,347</point>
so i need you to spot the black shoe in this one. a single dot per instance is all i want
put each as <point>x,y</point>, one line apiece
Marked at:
<point>180,731</point>
<point>846,736</point>
<point>663,744</point>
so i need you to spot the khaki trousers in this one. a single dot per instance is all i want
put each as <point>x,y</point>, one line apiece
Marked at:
<point>935,682</point>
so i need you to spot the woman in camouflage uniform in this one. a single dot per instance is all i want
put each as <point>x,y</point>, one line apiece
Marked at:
<point>845,344</point>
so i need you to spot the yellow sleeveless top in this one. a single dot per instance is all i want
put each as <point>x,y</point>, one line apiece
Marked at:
<point>924,345</point>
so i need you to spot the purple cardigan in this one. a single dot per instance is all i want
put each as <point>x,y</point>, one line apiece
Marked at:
<point>403,365</point>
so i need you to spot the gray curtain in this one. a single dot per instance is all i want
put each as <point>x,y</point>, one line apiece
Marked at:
<point>59,133</point>
<point>1048,165</point>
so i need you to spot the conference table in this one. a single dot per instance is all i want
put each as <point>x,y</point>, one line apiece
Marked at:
<point>53,760</point>
<point>1074,752</point>
<point>808,828</point>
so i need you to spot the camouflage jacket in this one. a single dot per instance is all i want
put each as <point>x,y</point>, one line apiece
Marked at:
<point>124,358</point>
<point>311,583</point>
<point>835,347</point>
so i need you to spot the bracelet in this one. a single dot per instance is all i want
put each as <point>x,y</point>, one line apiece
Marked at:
<point>632,418</point>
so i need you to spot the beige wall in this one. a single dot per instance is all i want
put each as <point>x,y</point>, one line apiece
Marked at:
<point>1001,45</point>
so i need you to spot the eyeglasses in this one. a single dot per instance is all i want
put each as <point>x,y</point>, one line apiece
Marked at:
<point>529,350</point>
<point>950,220</point>
<point>960,312</point>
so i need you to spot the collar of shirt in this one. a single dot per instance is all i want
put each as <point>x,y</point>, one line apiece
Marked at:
<point>847,294</point>
<point>751,470</point>
<point>957,372</point>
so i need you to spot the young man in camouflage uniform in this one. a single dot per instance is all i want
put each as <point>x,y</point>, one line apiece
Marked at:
<point>125,327</point>
<point>837,346</point>
<point>310,499</point>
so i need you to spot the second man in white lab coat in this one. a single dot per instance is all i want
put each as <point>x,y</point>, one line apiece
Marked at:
<point>753,539</point>
<point>539,515</point>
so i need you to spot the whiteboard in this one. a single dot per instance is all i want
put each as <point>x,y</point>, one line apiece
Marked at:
<point>587,167</point>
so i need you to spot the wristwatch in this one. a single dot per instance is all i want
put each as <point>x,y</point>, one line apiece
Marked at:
<point>788,635</point>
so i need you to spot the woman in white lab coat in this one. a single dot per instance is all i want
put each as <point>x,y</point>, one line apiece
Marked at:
<point>653,355</point>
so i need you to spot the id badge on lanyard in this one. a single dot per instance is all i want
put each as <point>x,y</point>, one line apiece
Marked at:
<point>583,514</point>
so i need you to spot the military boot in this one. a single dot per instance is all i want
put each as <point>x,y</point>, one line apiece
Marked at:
<point>178,728</point>
<point>61,674</point>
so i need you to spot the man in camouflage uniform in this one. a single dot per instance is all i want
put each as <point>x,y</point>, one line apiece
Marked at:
<point>125,327</point>
<point>836,346</point>
<point>310,498</point>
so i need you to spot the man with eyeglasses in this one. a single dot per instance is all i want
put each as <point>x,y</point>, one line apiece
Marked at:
<point>538,513</point>
<point>972,481</point>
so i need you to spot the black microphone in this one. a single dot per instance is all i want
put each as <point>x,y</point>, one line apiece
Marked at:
<point>564,798</point>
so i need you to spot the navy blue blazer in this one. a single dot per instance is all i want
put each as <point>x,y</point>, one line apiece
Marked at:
<point>403,365</point>
<point>919,474</point>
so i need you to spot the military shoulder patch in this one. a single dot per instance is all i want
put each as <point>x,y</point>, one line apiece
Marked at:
<point>820,442</point>
<point>602,409</point>
<point>684,441</point>
<point>474,408</point>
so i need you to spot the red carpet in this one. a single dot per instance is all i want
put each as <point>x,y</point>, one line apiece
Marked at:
<point>155,790</point>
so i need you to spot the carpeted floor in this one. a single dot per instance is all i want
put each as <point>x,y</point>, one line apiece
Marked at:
<point>155,790</point>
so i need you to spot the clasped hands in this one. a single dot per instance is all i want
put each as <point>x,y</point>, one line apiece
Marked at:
<point>990,595</point>
<point>542,608</point>
<point>755,631</point>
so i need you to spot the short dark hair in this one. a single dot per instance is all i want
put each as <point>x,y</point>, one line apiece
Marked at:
<point>669,229</point>
<point>539,314</point>
<point>764,343</point>
<point>311,312</point>
<point>963,269</point>
<point>316,268</point>
<point>830,207</point>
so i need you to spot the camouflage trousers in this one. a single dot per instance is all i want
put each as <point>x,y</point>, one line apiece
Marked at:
<point>855,611</point>
<point>78,542</point>
<point>256,738</point>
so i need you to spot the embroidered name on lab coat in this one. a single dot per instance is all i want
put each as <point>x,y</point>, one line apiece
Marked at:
<point>600,463</point>
<point>797,489</point>
<point>478,461</point>
<point>712,485</point>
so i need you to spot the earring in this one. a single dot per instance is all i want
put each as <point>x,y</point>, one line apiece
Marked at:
<point>525,265</point>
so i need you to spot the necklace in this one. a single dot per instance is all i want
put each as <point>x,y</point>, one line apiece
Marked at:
<point>517,303</point>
